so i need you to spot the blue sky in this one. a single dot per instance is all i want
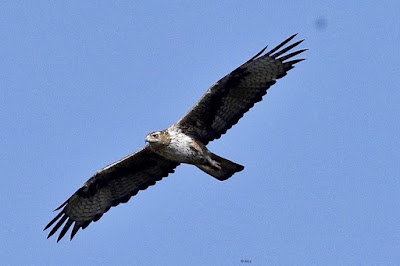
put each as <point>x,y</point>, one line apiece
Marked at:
<point>83,82</point>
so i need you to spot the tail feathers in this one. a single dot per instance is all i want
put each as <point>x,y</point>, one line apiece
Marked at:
<point>228,168</point>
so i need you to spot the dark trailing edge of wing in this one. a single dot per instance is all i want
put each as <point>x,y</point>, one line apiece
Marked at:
<point>201,121</point>
<point>216,112</point>
<point>273,53</point>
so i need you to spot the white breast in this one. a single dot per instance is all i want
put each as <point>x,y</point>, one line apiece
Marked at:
<point>179,148</point>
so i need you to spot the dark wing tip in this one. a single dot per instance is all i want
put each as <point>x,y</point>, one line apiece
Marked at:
<point>292,62</point>
<point>290,47</point>
<point>58,225</point>
<point>53,221</point>
<point>258,54</point>
<point>277,48</point>
<point>60,219</point>
<point>62,205</point>
<point>65,229</point>
<point>277,52</point>
<point>280,45</point>
<point>75,230</point>
<point>77,225</point>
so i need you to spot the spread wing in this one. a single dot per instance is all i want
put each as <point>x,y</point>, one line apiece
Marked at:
<point>231,97</point>
<point>109,187</point>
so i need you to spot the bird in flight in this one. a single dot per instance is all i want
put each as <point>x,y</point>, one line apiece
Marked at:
<point>218,110</point>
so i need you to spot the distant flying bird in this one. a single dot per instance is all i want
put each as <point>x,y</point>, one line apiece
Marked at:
<point>218,110</point>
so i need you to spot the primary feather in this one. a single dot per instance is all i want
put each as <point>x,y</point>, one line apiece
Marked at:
<point>184,142</point>
<point>230,98</point>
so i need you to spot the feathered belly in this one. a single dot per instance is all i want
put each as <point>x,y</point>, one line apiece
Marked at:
<point>181,154</point>
<point>179,150</point>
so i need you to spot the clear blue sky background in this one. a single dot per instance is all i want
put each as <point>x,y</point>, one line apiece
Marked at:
<point>83,82</point>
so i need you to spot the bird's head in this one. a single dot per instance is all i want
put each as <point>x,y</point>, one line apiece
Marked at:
<point>158,137</point>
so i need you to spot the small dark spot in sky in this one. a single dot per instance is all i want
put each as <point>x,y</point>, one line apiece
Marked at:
<point>321,23</point>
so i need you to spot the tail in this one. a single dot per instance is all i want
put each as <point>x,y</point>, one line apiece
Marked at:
<point>228,168</point>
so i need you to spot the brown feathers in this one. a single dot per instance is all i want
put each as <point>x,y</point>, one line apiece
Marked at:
<point>185,142</point>
<point>231,97</point>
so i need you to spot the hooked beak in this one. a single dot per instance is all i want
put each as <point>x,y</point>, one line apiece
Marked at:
<point>148,139</point>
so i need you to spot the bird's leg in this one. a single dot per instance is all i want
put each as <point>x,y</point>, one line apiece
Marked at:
<point>213,163</point>
<point>203,151</point>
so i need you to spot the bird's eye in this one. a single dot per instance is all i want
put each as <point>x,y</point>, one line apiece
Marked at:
<point>154,135</point>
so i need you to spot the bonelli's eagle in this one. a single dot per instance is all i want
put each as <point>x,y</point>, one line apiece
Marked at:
<point>218,110</point>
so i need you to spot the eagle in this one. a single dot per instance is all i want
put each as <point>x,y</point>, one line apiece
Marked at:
<point>186,141</point>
